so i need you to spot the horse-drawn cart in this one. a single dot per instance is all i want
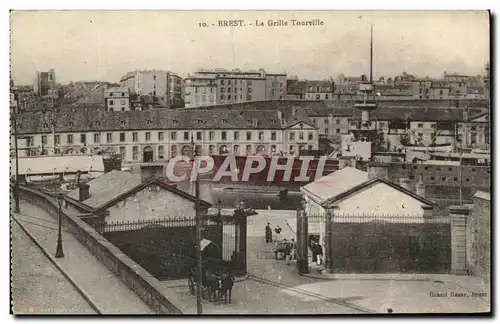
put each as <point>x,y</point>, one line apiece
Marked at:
<point>281,248</point>
<point>216,278</point>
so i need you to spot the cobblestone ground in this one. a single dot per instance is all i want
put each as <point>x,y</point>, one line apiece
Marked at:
<point>37,286</point>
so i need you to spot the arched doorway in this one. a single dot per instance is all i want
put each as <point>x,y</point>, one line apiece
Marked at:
<point>223,149</point>
<point>147,155</point>
<point>186,150</point>
<point>261,149</point>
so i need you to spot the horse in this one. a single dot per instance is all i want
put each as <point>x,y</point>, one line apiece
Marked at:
<point>225,285</point>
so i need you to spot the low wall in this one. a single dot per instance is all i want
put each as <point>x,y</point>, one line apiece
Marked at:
<point>148,288</point>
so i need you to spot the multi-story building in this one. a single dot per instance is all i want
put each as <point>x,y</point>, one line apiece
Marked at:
<point>310,89</point>
<point>220,86</point>
<point>44,81</point>
<point>117,99</point>
<point>159,135</point>
<point>164,85</point>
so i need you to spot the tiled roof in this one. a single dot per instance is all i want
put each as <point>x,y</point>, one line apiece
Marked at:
<point>92,119</point>
<point>334,184</point>
<point>108,186</point>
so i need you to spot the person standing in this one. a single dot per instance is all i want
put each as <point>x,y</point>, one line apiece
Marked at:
<point>288,252</point>
<point>293,250</point>
<point>314,251</point>
<point>269,234</point>
<point>319,252</point>
<point>278,231</point>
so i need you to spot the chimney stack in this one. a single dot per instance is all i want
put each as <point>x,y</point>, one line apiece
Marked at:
<point>83,192</point>
<point>378,170</point>
<point>420,187</point>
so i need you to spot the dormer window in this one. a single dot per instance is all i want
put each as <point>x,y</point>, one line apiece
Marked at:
<point>273,121</point>
<point>98,123</point>
<point>149,122</point>
<point>301,125</point>
<point>71,124</point>
<point>248,122</point>
<point>199,121</point>
<point>123,123</point>
<point>224,121</point>
<point>45,125</point>
<point>175,121</point>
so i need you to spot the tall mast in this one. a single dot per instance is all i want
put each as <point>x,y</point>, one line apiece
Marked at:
<point>371,54</point>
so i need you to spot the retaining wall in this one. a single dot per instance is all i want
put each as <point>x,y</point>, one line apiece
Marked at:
<point>148,288</point>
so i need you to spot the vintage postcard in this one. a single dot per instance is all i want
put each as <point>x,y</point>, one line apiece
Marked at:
<point>250,162</point>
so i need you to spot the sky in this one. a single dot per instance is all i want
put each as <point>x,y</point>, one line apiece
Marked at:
<point>104,45</point>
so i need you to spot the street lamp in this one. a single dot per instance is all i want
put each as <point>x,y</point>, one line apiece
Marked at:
<point>59,251</point>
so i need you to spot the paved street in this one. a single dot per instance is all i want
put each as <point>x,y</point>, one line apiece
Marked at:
<point>38,287</point>
<point>104,289</point>
<point>275,288</point>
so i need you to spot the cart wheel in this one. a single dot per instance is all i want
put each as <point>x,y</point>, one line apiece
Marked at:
<point>191,286</point>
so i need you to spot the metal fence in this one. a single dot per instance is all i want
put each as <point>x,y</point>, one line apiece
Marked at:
<point>380,218</point>
<point>120,226</point>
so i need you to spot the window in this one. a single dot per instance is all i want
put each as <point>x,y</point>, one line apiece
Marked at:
<point>473,138</point>
<point>161,152</point>
<point>337,130</point>
<point>326,97</point>
<point>135,153</point>
<point>160,136</point>
<point>249,148</point>
<point>186,136</point>
<point>228,89</point>
<point>111,102</point>
<point>222,97</point>
<point>148,136</point>
<point>292,136</point>
<point>198,136</point>
<point>301,136</point>
<point>211,135</point>
<point>222,89</point>
<point>236,149</point>
<point>326,121</point>
<point>249,136</point>
<point>310,136</point>
<point>292,147</point>
<point>211,149</point>
<point>83,138</point>
<point>57,151</point>
<point>273,136</point>
<point>473,128</point>
<point>318,97</point>
<point>70,139</point>
<point>223,135</point>
<point>221,81</point>
<point>261,136</point>
<point>420,125</point>
<point>58,139</point>
<point>236,136</point>
<point>154,77</point>
<point>326,130</point>
<point>123,152</point>
<point>97,138</point>
<point>135,137</point>
<point>44,139</point>
<point>123,94</point>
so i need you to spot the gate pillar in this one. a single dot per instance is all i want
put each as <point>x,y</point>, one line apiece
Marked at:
<point>241,240</point>
<point>458,216</point>
<point>329,239</point>
<point>302,248</point>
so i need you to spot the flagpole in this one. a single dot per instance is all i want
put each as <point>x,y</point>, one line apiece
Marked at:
<point>199,277</point>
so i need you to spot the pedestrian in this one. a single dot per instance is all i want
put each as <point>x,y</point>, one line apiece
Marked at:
<point>269,234</point>
<point>278,231</point>
<point>314,251</point>
<point>319,253</point>
<point>293,250</point>
<point>288,251</point>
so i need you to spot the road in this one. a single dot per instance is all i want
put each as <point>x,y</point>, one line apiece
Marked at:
<point>37,286</point>
<point>275,288</point>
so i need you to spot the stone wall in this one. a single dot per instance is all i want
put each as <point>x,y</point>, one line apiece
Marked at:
<point>479,238</point>
<point>148,288</point>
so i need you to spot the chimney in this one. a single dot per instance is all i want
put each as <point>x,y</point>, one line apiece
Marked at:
<point>150,172</point>
<point>420,187</point>
<point>378,170</point>
<point>83,192</point>
<point>405,183</point>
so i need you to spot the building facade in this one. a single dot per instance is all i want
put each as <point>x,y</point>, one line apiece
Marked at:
<point>117,99</point>
<point>219,86</point>
<point>148,136</point>
<point>165,85</point>
<point>44,82</point>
